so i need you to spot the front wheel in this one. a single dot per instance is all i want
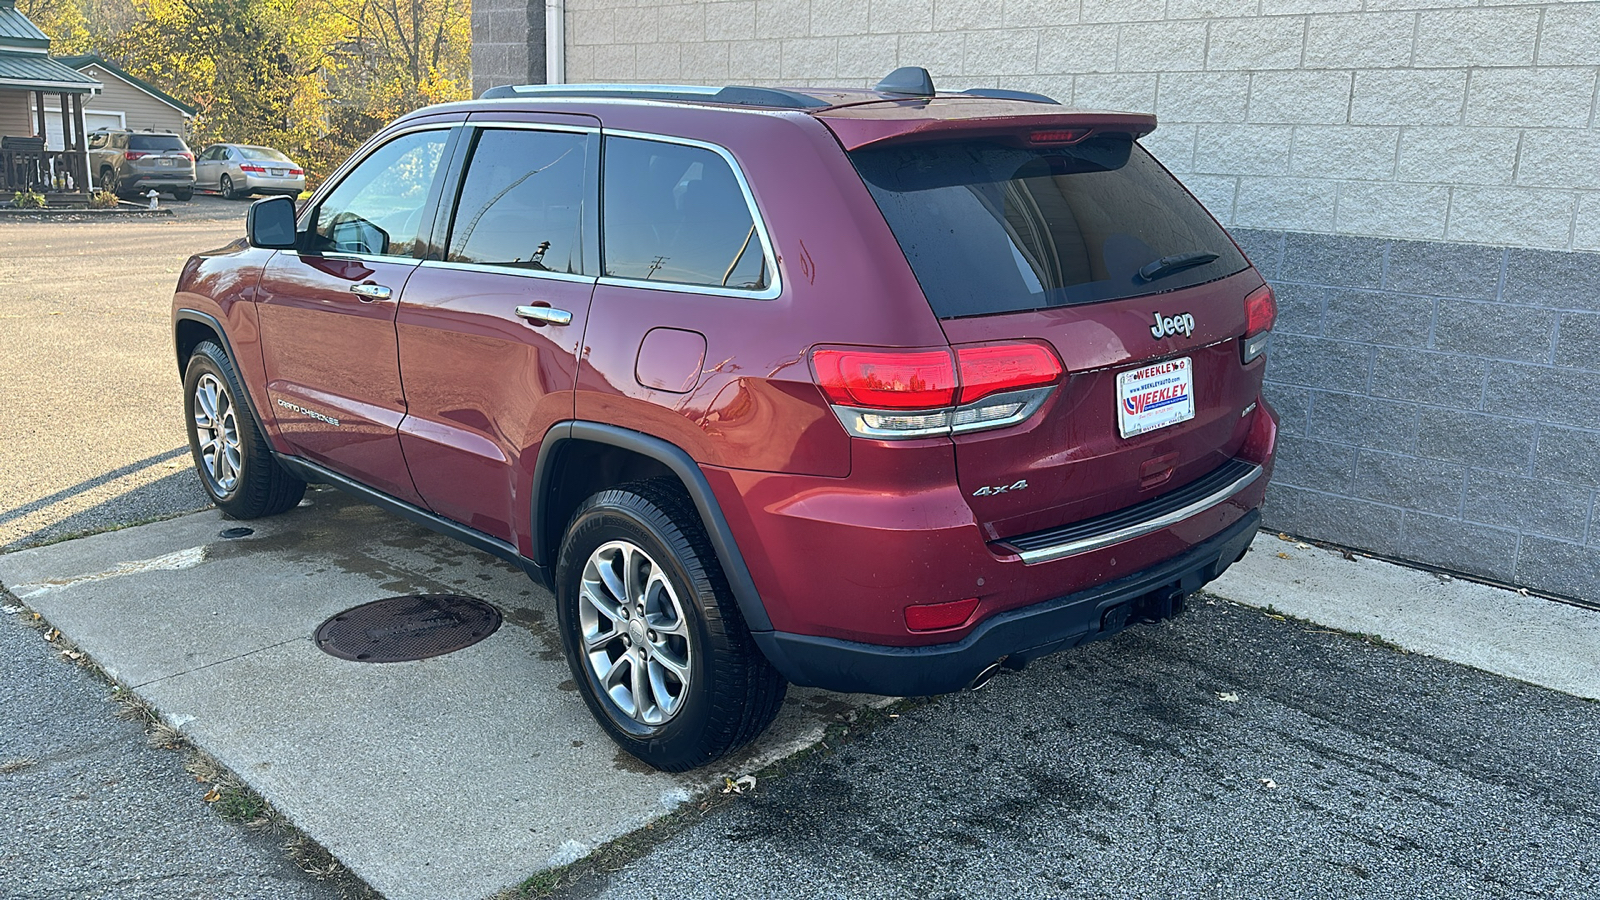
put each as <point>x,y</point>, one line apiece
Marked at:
<point>653,636</point>
<point>235,465</point>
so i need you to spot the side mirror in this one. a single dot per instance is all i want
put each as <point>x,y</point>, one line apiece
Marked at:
<point>270,224</point>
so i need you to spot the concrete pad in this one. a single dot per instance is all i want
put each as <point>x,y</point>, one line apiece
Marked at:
<point>1543,642</point>
<point>444,778</point>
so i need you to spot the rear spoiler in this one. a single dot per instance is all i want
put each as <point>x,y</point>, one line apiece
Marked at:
<point>1052,127</point>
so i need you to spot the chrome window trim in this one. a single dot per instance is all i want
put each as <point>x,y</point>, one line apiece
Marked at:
<point>770,292</point>
<point>1140,529</point>
<point>492,269</point>
<point>488,124</point>
<point>359,257</point>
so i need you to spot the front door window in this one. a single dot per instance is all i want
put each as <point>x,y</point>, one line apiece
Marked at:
<point>377,209</point>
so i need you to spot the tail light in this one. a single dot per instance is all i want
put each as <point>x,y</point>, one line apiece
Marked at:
<point>132,155</point>
<point>187,155</point>
<point>296,173</point>
<point>1260,311</point>
<point>258,170</point>
<point>893,394</point>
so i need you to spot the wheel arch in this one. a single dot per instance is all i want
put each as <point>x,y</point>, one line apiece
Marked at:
<point>576,459</point>
<point>191,327</point>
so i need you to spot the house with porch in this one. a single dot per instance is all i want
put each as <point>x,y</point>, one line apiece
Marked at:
<point>31,84</point>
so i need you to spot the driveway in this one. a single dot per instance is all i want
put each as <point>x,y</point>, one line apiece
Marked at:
<point>92,411</point>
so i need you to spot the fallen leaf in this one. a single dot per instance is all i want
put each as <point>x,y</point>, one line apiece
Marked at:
<point>213,796</point>
<point>1282,536</point>
<point>1268,783</point>
<point>1227,696</point>
<point>1283,555</point>
<point>1348,555</point>
<point>1276,616</point>
<point>1302,546</point>
<point>738,785</point>
<point>52,634</point>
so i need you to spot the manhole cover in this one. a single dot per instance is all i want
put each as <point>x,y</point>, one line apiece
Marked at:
<point>405,628</point>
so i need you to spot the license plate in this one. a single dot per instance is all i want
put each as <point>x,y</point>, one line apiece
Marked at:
<point>1155,396</point>
<point>279,173</point>
<point>165,161</point>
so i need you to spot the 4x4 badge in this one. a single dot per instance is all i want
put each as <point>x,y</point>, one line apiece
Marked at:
<point>986,491</point>
<point>1180,324</point>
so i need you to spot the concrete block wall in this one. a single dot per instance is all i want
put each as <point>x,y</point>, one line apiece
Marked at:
<point>1420,179</point>
<point>507,43</point>
<point>1440,403</point>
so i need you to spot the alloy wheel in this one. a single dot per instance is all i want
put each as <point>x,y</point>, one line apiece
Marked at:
<point>217,429</point>
<point>635,635</point>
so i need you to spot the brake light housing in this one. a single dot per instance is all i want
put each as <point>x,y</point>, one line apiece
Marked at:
<point>1260,312</point>
<point>894,394</point>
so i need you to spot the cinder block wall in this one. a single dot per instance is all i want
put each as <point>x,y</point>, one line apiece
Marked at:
<point>1419,179</point>
<point>507,43</point>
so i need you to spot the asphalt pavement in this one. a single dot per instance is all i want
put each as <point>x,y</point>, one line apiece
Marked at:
<point>89,809</point>
<point>92,437</point>
<point>91,411</point>
<point>1227,754</point>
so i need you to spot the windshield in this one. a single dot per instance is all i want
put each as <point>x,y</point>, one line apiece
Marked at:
<point>262,153</point>
<point>994,229</point>
<point>155,142</point>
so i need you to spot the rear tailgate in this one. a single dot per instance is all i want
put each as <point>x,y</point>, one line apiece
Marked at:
<point>1063,231</point>
<point>1072,454</point>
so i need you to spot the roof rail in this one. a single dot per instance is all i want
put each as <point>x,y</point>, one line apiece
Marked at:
<point>1003,94</point>
<point>739,95</point>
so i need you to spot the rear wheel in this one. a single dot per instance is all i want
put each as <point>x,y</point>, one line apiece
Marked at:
<point>183,194</point>
<point>235,465</point>
<point>108,180</point>
<point>652,633</point>
<point>226,187</point>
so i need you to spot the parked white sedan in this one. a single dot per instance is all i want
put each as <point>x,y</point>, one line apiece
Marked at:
<point>240,170</point>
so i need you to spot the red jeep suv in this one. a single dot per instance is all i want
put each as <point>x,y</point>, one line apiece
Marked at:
<point>868,390</point>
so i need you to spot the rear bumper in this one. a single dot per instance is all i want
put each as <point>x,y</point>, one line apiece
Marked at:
<point>1019,635</point>
<point>258,184</point>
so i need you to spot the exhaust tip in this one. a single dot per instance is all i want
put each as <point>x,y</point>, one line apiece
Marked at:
<point>987,675</point>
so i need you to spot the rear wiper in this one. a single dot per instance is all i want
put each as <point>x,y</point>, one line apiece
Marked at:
<point>1166,265</point>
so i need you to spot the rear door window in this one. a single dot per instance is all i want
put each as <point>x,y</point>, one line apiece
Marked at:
<point>676,213</point>
<point>521,202</point>
<point>991,229</point>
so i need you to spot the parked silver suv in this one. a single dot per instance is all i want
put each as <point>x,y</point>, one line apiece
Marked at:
<point>132,162</point>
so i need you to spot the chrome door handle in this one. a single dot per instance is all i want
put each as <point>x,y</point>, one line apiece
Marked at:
<point>371,292</point>
<point>542,315</point>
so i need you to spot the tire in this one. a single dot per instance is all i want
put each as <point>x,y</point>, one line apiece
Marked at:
<point>241,477</point>
<point>108,181</point>
<point>225,185</point>
<point>709,689</point>
<point>183,194</point>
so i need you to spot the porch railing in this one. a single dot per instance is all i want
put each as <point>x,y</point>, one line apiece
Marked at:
<point>42,170</point>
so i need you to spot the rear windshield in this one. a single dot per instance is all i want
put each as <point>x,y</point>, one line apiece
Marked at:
<point>994,229</point>
<point>262,153</point>
<point>155,142</point>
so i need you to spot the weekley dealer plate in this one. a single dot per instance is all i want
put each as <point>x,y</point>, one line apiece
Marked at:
<point>1155,396</point>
